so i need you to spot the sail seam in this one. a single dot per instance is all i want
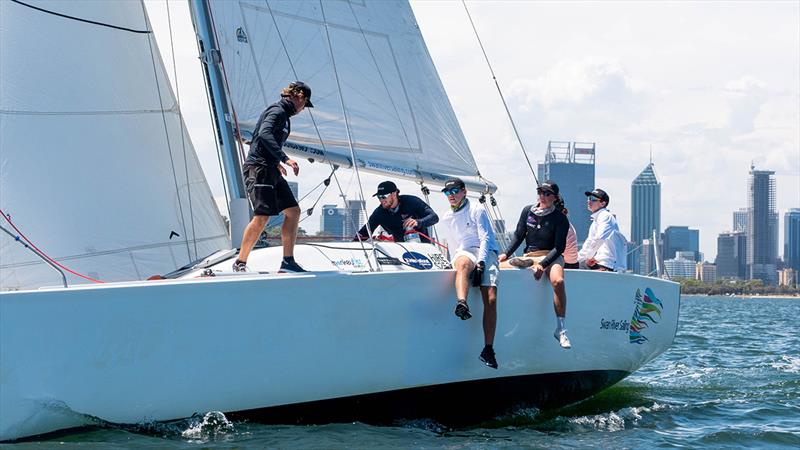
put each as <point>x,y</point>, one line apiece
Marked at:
<point>79,19</point>
<point>21,112</point>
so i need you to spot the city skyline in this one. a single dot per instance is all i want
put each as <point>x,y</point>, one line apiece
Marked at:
<point>627,77</point>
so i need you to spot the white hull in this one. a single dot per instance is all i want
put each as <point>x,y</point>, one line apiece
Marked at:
<point>162,350</point>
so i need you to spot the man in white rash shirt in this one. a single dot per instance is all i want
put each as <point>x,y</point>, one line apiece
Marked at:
<point>473,248</point>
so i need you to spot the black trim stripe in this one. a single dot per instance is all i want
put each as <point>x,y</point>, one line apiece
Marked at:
<point>116,27</point>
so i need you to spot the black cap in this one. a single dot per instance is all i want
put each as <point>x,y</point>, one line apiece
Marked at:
<point>385,188</point>
<point>302,87</point>
<point>548,185</point>
<point>453,183</point>
<point>598,194</point>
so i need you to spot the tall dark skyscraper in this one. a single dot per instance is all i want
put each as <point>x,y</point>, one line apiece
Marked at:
<point>791,238</point>
<point>571,166</point>
<point>645,212</point>
<point>740,220</point>
<point>333,219</point>
<point>681,239</point>
<point>732,255</point>
<point>762,232</point>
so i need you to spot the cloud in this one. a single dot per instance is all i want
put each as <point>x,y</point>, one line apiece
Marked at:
<point>745,97</point>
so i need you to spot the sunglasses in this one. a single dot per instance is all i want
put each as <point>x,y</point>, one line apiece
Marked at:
<point>592,199</point>
<point>453,191</point>
<point>545,193</point>
<point>383,196</point>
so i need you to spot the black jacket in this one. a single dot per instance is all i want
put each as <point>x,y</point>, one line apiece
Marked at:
<point>541,233</point>
<point>271,131</point>
<point>392,222</point>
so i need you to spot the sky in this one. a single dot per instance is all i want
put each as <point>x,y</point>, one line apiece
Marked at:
<point>710,87</point>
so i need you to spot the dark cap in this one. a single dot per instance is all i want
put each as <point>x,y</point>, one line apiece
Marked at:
<point>453,183</point>
<point>302,87</point>
<point>598,194</point>
<point>548,185</point>
<point>385,188</point>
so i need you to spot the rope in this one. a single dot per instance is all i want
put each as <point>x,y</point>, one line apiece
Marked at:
<point>499,91</point>
<point>166,133</point>
<point>116,27</point>
<point>183,137</point>
<point>28,241</point>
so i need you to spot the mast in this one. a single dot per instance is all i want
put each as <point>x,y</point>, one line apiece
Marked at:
<point>238,205</point>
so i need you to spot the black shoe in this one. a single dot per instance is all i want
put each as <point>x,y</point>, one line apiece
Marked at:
<point>487,356</point>
<point>239,266</point>
<point>291,267</point>
<point>462,311</point>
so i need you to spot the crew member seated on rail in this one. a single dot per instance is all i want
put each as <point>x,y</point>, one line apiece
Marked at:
<point>400,215</point>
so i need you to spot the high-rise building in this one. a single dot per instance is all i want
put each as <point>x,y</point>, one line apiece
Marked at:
<point>705,272</point>
<point>740,220</point>
<point>791,239</point>
<point>354,217</point>
<point>680,238</point>
<point>645,212</point>
<point>332,221</point>
<point>571,166</point>
<point>731,259</point>
<point>762,221</point>
<point>683,266</point>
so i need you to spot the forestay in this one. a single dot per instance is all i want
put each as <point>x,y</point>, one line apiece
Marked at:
<point>400,119</point>
<point>95,164</point>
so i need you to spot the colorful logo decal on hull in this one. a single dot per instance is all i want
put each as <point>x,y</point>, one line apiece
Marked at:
<point>648,309</point>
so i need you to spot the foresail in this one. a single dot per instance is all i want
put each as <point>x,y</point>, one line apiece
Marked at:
<point>96,168</point>
<point>400,119</point>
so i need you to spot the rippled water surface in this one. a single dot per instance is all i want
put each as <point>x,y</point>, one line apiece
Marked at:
<point>731,379</point>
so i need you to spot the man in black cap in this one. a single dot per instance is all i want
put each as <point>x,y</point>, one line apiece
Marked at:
<point>267,189</point>
<point>399,214</point>
<point>601,250</point>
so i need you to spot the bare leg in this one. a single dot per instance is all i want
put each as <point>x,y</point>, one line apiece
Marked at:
<point>559,292</point>
<point>291,220</point>
<point>489,294</point>
<point>463,268</point>
<point>251,234</point>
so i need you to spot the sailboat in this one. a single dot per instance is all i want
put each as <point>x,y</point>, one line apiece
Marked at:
<point>97,165</point>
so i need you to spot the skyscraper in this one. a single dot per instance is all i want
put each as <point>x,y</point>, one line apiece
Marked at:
<point>645,211</point>
<point>679,238</point>
<point>354,217</point>
<point>571,166</point>
<point>740,220</point>
<point>332,221</point>
<point>791,239</point>
<point>732,255</point>
<point>762,232</point>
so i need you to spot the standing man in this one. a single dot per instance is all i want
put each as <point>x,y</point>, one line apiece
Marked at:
<point>598,251</point>
<point>474,251</point>
<point>267,189</point>
<point>398,213</point>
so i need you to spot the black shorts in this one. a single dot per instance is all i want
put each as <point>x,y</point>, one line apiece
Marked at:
<point>267,190</point>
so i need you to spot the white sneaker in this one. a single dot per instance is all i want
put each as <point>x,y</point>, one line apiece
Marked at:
<point>563,340</point>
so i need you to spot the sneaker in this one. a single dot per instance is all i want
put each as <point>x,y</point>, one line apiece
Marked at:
<point>563,340</point>
<point>487,356</point>
<point>520,262</point>
<point>290,267</point>
<point>240,266</point>
<point>462,311</point>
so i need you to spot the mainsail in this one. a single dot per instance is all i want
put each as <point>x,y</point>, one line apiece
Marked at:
<point>96,167</point>
<point>400,119</point>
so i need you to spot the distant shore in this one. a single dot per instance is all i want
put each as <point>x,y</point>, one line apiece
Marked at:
<point>745,295</point>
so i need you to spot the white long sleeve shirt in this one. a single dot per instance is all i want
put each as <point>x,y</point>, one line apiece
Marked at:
<point>469,228</point>
<point>599,243</point>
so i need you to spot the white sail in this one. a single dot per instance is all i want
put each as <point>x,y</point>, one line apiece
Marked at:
<point>96,168</point>
<point>400,119</point>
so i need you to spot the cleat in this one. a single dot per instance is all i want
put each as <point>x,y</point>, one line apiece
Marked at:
<point>240,266</point>
<point>291,267</point>
<point>563,340</point>
<point>520,262</point>
<point>462,311</point>
<point>487,356</point>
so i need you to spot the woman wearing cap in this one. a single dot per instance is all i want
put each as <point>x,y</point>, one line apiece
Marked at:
<point>267,190</point>
<point>544,229</point>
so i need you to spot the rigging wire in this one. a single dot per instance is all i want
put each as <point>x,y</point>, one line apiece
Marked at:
<point>347,129</point>
<point>166,133</point>
<point>183,135</point>
<point>499,91</point>
<point>45,255</point>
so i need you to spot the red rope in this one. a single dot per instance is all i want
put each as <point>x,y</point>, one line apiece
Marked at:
<point>427,237</point>
<point>8,219</point>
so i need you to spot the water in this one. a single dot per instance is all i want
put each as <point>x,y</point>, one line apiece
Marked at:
<point>731,379</point>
